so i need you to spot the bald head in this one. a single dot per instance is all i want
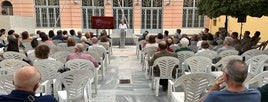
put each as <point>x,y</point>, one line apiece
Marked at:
<point>94,40</point>
<point>27,78</point>
<point>162,45</point>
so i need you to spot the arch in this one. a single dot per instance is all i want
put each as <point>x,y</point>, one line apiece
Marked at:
<point>7,8</point>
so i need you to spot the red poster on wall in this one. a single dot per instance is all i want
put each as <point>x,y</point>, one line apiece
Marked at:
<point>102,22</point>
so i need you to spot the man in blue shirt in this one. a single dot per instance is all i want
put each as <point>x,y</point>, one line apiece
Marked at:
<point>26,81</point>
<point>234,75</point>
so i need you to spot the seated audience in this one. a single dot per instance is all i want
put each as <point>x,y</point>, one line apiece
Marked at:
<point>163,52</point>
<point>143,36</point>
<point>252,42</point>
<point>51,34</point>
<point>204,47</point>
<point>26,81</point>
<point>159,37</point>
<point>203,38</point>
<point>104,41</point>
<point>227,45</point>
<point>194,40</point>
<point>73,35</point>
<point>34,44</point>
<point>150,42</point>
<point>42,52</point>
<point>59,35</point>
<point>264,93</point>
<point>236,41</point>
<point>78,54</point>
<point>13,45</point>
<point>234,75</point>
<point>184,42</point>
<point>45,39</point>
<point>71,42</point>
<point>25,36</point>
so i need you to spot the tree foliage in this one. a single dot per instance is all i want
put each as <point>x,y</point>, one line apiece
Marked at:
<point>234,8</point>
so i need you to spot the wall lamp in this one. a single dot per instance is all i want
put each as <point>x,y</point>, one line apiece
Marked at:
<point>75,1</point>
<point>168,3</point>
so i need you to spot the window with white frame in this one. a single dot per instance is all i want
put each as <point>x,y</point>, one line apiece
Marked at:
<point>47,13</point>
<point>191,19</point>
<point>91,8</point>
<point>151,15</point>
<point>123,9</point>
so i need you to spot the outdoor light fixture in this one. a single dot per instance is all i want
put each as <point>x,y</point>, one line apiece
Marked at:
<point>107,2</point>
<point>75,1</point>
<point>168,3</point>
<point>137,3</point>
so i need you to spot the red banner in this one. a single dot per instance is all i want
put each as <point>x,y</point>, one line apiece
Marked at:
<point>101,22</point>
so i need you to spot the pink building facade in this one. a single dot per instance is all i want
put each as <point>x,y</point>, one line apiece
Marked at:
<point>152,15</point>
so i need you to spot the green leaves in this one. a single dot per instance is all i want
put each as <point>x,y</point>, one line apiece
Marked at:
<point>234,8</point>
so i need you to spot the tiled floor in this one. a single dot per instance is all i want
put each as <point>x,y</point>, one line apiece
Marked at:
<point>125,65</point>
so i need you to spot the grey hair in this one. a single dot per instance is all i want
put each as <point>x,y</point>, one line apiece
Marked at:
<point>80,47</point>
<point>228,40</point>
<point>237,70</point>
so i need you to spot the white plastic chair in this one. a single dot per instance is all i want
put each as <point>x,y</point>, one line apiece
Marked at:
<point>225,60</point>
<point>209,54</point>
<point>182,56</point>
<point>84,64</point>
<point>13,55</point>
<point>227,53</point>
<point>147,54</point>
<point>27,45</point>
<point>6,83</point>
<point>61,56</point>
<point>49,72</point>
<point>11,65</point>
<point>256,63</point>
<point>102,52</point>
<point>98,58</point>
<point>77,85</point>
<point>108,50</point>
<point>193,85</point>
<point>138,50</point>
<point>261,79</point>
<point>166,66</point>
<point>62,45</point>
<point>197,64</point>
<point>251,53</point>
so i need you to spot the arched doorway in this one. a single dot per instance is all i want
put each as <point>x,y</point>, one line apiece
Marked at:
<point>7,8</point>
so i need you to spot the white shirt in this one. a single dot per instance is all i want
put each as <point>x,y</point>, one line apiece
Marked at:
<point>123,26</point>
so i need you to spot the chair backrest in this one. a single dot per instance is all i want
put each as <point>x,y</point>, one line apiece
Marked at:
<point>27,45</point>
<point>13,55</point>
<point>74,82</point>
<point>149,51</point>
<point>94,54</point>
<point>227,53</point>
<point>62,45</point>
<point>61,56</point>
<point>6,83</point>
<point>105,45</point>
<point>261,79</point>
<point>225,60</point>
<point>13,64</point>
<point>166,65</point>
<point>251,53</point>
<point>194,84</point>
<point>48,68</point>
<point>100,50</point>
<point>70,49</point>
<point>194,48</point>
<point>183,55</point>
<point>209,54</point>
<point>198,64</point>
<point>32,57</point>
<point>255,64</point>
<point>79,64</point>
